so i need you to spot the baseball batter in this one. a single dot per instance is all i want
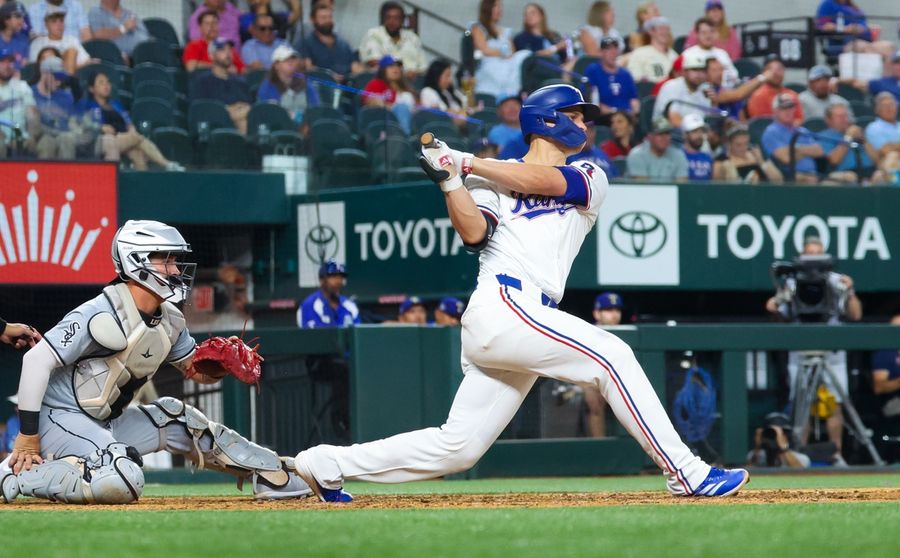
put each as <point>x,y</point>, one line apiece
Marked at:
<point>528,218</point>
<point>80,442</point>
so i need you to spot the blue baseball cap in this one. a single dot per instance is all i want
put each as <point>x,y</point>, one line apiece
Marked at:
<point>6,53</point>
<point>605,301</point>
<point>409,302</point>
<point>332,267</point>
<point>388,60</point>
<point>451,306</point>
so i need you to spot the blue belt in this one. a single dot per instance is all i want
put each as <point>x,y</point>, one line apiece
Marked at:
<point>504,279</point>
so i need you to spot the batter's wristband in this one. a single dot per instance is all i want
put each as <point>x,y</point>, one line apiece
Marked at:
<point>467,163</point>
<point>29,422</point>
<point>451,184</point>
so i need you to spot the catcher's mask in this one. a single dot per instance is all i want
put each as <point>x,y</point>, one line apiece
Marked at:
<point>140,246</point>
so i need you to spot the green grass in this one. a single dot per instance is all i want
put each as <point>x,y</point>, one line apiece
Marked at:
<point>820,530</point>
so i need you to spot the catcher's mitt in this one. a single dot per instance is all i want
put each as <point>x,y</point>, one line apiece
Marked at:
<point>218,357</point>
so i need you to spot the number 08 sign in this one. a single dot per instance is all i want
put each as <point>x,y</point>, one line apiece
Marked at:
<point>57,221</point>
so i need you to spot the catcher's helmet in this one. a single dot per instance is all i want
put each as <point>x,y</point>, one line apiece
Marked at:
<point>332,267</point>
<point>543,106</point>
<point>132,246</point>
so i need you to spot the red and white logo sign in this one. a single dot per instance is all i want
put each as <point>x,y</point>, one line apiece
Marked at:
<point>57,222</point>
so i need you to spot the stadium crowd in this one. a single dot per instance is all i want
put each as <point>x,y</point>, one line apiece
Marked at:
<point>256,77</point>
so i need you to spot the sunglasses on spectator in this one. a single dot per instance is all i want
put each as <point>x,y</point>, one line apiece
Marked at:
<point>266,28</point>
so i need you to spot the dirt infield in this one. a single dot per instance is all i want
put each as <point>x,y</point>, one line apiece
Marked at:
<point>472,501</point>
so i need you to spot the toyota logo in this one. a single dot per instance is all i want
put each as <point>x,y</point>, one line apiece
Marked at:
<point>638,234</point>
<point>321,243</point>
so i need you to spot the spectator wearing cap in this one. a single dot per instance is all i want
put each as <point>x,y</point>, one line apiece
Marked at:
<point>391,39</point>
<point>615,88</point>
<point>285,84</point>
<point>222,85</point>
<point>883,133</point>
<point>743,162</point>
<point>17,108</point>
<point>725,36</point>
<point>607,312</point>
<point>412,311</point>
<point>257,52</point>
<point>686,94</point>
<point>818,96</point>
<point>601,18</point>
<point>705,47</point>
<point>537,37</point>
<point>323,48</point>
<point>77,24</point>
<point>112,22</point>
<point>59,133</point>
<point>500,71</point>
<point>390,89</point>
<point>229,21</point>
<point>620,144</point>
<point>655,158</point>
<point>74,55</point>
<point>508,129</point>
<point>700,162</point>
<point>197,52</point>
<point>590,152</point>
<point>12,37</point>
<point>762,100</point>
<point>608,309</point>
<point>837,142</point>
<point>776,140</point>
<point>449,311</point>
<point>327,307</point>
<point>890,82</point>
<point>654,61</point>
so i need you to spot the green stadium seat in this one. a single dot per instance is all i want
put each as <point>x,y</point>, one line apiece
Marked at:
<point>162,30</point>
<point>272,115</point>
<point>367,115</point>
<point>863,121</point>
<point>406,174</point>
<point>86,74</point>
<point>603,133</point>
<point>756,127</point>
<point>175,144</point>
<point>348,167</point>
<point>747,68</point>
<point>678,45</point>
<point>815,125</point>
<point>105,50</point>
<point>148,71</point>
<point>227,149</point>
<point>149,114</point>
<point>314,113</point>
<point>851,93</point>
<point>645,88</point>
<point>538,69</point>
<point>212,113</point>
<point>796,87</point>
<point>862,108</point>
<point>157,89</point>
<point>423,119</point>
<point>486,100</point>
<point>645,118</point>
<point>287,142</point>
<point>379,130</point>
<point>389,154</point>
<point>154,51</point>
<point>583,62</point>
<point>327,136</point>
<point>621,164</point>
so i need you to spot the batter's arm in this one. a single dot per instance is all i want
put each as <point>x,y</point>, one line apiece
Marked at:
<point>466,217</point>
<point>524,178</point>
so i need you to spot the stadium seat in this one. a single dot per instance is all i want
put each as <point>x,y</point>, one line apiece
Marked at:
<point>863,121</point>
<point>796,87</point>
<point>862,108</point>
<point>154,51</point>
<point>287,142</point>
<point>367,115</point>
<point>678,45</point>
<point>322,81</point>
<point>756,127</point>
<point>488,116</point>
<point>645,88</point>
<point>407,174</point>
<point>486,100</point>
<point>389,154</point>
<point>227,149</point>
<point>426,118</point>
<point>603,133</point>
<point>537,69</point>
<point>646,116</point>
<point>253,78</point>
<point>157,89</point>
<point>86,74</point>
<point>815,125</point>
<point>348,167</point>
<point>621,164</point>
<point>747,68</point>
<point>379,130</point>
<point>446,131</point>
<point>149,71</point>
<point>327,136</point>
<point>149,114</point>
<point>272,115</point>
<point>212,113</point>
<point>583,62</point>
<point>126,98</point>
<point>314,113</point>
<point>104,50</point>
<point>175,144</point>
<point>850,93</point>
<point>162,30</point>
<point>360,80</point>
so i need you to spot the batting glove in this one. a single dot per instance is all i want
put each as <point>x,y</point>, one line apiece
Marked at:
<point>462,161</point>
<point>437,162</point>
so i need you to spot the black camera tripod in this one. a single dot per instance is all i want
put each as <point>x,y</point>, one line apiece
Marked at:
<point>810,374</point>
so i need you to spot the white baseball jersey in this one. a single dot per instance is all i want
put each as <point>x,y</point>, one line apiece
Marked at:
<point>536,238</point>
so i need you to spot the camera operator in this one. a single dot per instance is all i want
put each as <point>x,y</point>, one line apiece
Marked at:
<point>772,445</point>
<point>837,302</point>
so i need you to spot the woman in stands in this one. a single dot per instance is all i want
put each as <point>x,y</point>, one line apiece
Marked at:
<point>537,37</point>
<point>439,92</point>
<point>500,71</point>
<point>391,90</point>
<point>744,163</point>
<point>726,36</point>
<point>601,18</point>
<point>622,141</point>
<point>285,85</point>
<point>119,135</point>
<point>645,12</point>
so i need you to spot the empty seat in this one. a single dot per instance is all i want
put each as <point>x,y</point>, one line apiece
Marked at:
<point>486,100</point>
<point>154,51</point>
<point>367,115</point>
<point>175,144</point>
<point>275,117</point>
<point>756,127</point>
<point>327,136</point>
<point>157,89</point>
<point>148,71</point>
<point>314,113</point>
<point>161,30</point>
<point>347,167</point>
<point>380,130</point>
<point>646,116</point>
<point>815,124</point>
<point>104,50</point>
<point>149,114</point>
<point>227,149</point>
<point>425,118</point>
<point>747,68</point>
<point>389,154</point>
<point>205,116</point>
<point>861,108</point>
<point>537,69</point>
<point>603,133</point>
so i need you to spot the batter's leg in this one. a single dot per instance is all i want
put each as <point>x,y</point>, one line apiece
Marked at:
<point>484,404</point>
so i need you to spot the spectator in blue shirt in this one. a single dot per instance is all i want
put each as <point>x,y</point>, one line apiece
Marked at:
<point>836,141</point>
<point>616,88</point>
<point>257,52</point>
<point>60,132</point>
<point>322,48</point>
<point>286,86</point>
<point>886,369</point>
<point>890,82</point>
<point>412,311</point>
<point>700,162</point>
<point>508,130</point>
<point>12,37</point>
<point>847,20</point>
<point>777,138</point>
<point>327,307</point>
<point>449,311</point>
<point>884,133</point>
<point>590,152</point>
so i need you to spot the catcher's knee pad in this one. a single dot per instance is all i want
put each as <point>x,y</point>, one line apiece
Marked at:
<point>109,476</point>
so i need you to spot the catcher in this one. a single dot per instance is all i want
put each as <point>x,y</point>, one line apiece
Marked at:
<point>80,442</point>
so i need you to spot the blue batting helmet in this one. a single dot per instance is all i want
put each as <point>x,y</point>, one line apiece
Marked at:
<point>331,267</point>
<point>542,107</point>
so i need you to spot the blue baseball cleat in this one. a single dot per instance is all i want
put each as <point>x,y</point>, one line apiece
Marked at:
<point>338,495</point>
<point>722,482</point>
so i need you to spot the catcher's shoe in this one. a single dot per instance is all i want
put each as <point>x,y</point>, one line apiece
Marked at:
<point>325,494</point>
<point>296,487</point>
<point>722,482</point>
<point>9,488</point>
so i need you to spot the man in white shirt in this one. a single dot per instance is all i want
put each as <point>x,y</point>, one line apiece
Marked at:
<point>652,62</point>
<point>74,55</point>
<point>706,37</point>
<point>686,94</point>
<point>17,110</point>
<point>390,38</point>
<point>77,24</point>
